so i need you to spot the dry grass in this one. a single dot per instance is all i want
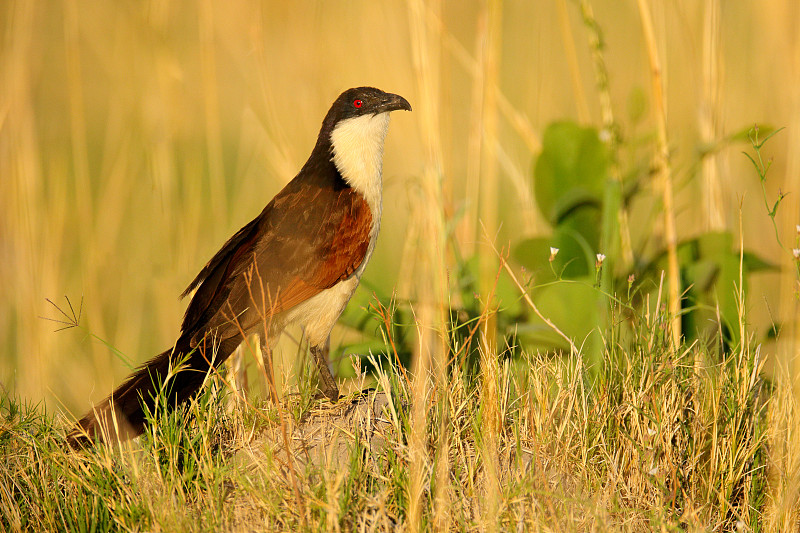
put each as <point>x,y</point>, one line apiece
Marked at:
<point>135,138</point>
<point>653,442</point>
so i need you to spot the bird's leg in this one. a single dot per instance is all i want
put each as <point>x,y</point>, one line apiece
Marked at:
<point>237,369</point>
<point>263,353</point>
<point>326,382</point>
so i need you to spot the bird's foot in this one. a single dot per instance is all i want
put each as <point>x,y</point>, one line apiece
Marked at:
<point>330,394</point>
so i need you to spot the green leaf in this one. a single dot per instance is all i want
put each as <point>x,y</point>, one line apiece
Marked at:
<point>534,255</point>
<point>753,263</point>
<point>714,244</point>
<point>702,274</point>
<point>570,305</point>
<point>572,201</point>
<point>572,167</point>
<point>576,238</point>
<point>769,136</point>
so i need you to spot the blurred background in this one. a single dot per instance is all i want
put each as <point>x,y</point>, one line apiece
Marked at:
<point>136,137</point>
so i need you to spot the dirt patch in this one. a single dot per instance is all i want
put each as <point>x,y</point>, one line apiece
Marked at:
<point>326,436</point>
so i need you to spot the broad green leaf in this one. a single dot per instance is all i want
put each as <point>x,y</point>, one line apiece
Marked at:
<point>571,306</point>
<point>572,166</point>
<point>534,255</point>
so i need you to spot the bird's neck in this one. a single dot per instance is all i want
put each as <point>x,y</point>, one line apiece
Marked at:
<point>357,152</point>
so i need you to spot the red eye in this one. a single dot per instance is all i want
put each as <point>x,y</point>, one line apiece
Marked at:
<point>357,103</point>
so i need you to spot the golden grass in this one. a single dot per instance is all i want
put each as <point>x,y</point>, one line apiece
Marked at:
<point>663,171</point>
<point>135,138</point>
<point>531,447</point>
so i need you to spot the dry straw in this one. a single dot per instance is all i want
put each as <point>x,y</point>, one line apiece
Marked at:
<point>664,172</point>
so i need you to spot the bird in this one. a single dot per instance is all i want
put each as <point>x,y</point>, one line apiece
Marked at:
<point>298,262</point>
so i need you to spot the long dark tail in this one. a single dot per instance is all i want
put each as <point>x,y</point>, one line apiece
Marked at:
<point>121,415</point>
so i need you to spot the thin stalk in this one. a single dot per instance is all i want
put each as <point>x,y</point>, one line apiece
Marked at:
<point>469,224</point>
<point>789,343</point>
<point>615,236</point>
<point>492,12</point>
<point>709,117</point>
<point>664,172</point>
<point>526,296</point>
<point>430,279</point>
<point>572,60</point>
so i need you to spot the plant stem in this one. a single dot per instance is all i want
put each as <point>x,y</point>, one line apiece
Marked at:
<point>663,171</point>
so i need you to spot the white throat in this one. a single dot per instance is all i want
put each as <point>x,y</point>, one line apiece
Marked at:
<point>358,155</point>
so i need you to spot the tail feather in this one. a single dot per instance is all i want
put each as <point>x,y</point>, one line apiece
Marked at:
<point>122,415</point>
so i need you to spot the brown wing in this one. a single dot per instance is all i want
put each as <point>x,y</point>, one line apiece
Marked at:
<point>305,241</point>
<point>334,254</point>
<point>212,279</point>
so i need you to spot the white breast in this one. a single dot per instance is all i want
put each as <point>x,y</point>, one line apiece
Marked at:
<point>358,155</point>
<point>319,313</point>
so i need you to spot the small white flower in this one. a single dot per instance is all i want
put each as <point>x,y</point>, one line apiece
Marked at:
<point>653,471</point>
<point>796,253</point>
<point>651,431</point>
<point>599,263</point>
<point>797,229</point>
<point>553,250</point>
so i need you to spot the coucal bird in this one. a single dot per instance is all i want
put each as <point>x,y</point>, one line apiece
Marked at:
<point>298,262</point>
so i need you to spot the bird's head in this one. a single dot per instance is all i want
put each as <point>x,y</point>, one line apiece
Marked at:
<point>364,103</point>
<point>354,131</point>
<point>361,101</point>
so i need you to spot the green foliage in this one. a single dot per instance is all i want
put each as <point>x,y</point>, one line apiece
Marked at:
<point>387,326</point>
<point>578,197</point>
<point>710,268</point>
<point>762,168</point>
<point>463,319</point>
<point>570,172</point>
<point>570,180</point>
<point>571,305</point>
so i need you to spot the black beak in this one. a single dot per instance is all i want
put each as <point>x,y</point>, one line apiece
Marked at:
<point>392,102</point>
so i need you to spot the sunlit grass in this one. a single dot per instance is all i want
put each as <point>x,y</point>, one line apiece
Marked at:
<point>652,440</point>
<point>135,138</point>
